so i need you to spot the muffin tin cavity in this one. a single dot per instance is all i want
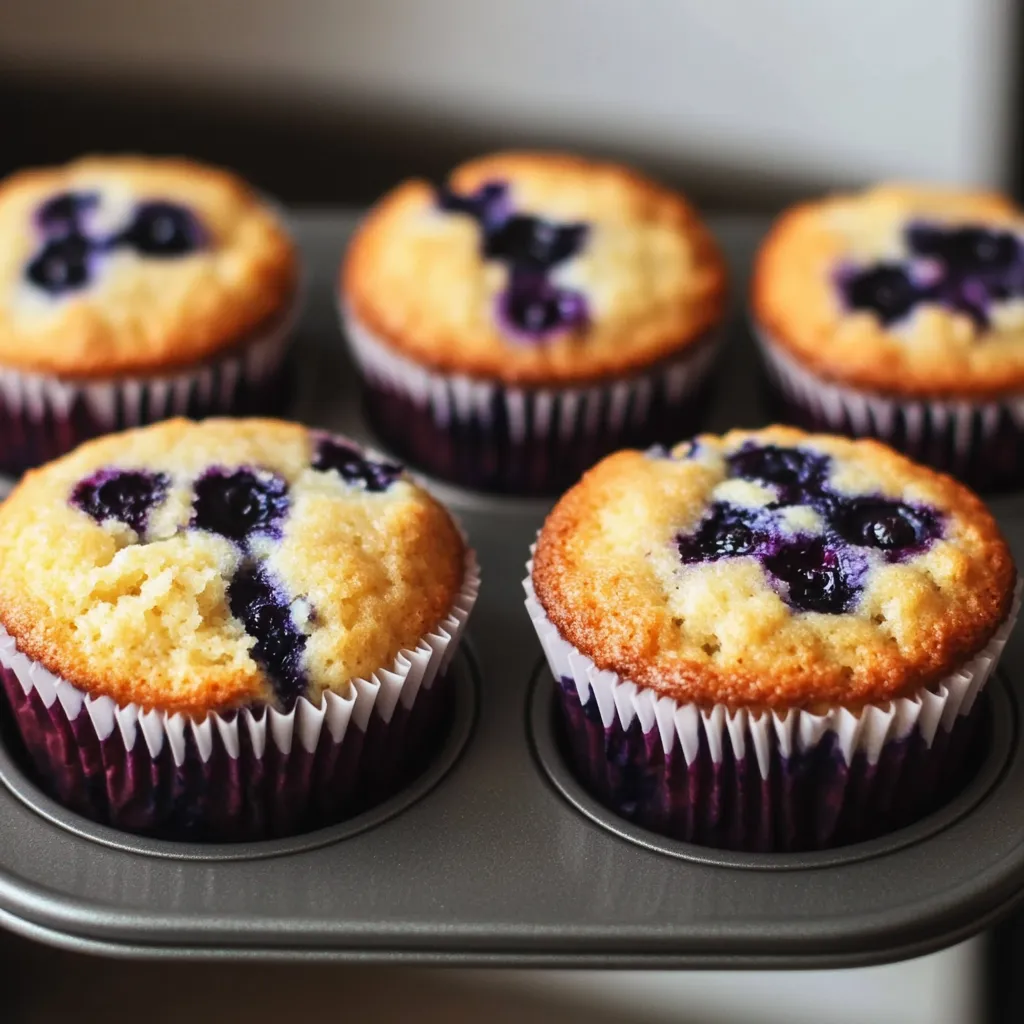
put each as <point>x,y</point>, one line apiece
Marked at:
<point>823,573</point>
<point>70,249</point>
<point>963,269</point>
<point>435,761</point>
<point>991,744</point>
<point>532,306</point>
<point>124,495</point>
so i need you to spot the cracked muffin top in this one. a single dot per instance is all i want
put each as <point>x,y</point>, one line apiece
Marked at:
<point>535,268</point>
<point>773,568</point>
<point>909,290</point>
<point>203,567</point>
<point>114,265</point>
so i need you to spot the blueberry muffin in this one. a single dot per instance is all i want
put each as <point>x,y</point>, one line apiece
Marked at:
<point>771,640</point>
<point>898,313</point>
<point>131,290</point>
<point>229,629</point>
<point>530,315</point>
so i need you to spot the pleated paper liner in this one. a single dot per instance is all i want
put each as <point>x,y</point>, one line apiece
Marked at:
<point>773,781</point>
<point>43,416</point>
<point>503,439</point>
<point>979,442</point>
<point>245,775</point>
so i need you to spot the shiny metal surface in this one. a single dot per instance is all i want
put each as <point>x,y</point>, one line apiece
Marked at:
<point>493,865</point>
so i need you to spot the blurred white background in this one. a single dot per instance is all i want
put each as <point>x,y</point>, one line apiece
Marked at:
<point>823,90</point>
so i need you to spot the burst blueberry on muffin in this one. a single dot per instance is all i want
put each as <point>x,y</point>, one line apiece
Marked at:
<point>532,314</point>
<point>232,601</point>
<point>898,313</point>
<point>770,640</point>
<point>132,290</point>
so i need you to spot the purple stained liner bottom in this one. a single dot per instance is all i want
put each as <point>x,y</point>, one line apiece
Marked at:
<point>486,456</point>
<point>42,418</point>
<point>226,799</point>
<point>809,801</point>
<point>980,443</point>
<point>993,460</point>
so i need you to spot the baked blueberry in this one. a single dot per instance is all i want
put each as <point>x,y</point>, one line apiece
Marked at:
<point>349,463</point>
<point>62,215</point>
<point>815,577</point>
<point>797,472</point>
<point>885,289</point>
<point>125,495</point>
<point>163,229</point>
<point>488,205</point>
<point>965,249</point>
<point>61,266</point>
<point>265,612</point>
<point>728,531</point>
<point>532,243</point>
<point>890,526</point>
<point>239,503</point>
<point>534,307</point>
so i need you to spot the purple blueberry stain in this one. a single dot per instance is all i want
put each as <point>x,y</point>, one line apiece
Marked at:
<point>964,269</point>
<point>123,495</point>
<point>64,264</point>
<point>333,455</point>
<point>825,573</point>
<point>727,531</point>
<point>898,529</point>
<point>258,601</point>
<point>240,504</point>
<point>531,243</point>
<point>532,307</point>
<point>794,472</point>
<point>816,576</point>
<point>161,230</point>
<point>69,250</point>
<point>63,214</point>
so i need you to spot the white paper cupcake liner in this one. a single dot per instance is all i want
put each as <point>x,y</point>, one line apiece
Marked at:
<point>495,436</point>
<point>981,442</point>
<point>691,758</point>
<point>244,774</point>
<point>43,416</point>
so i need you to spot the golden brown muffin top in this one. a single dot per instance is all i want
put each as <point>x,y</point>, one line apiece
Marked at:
<point>132,265</point>
<point>900,289</point>
<point>199,567</point>
<point>773,568</point>
<point>535,268</point>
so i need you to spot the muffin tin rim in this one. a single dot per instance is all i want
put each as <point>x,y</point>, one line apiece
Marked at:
<point>466,677</point>
<point>541,729</point>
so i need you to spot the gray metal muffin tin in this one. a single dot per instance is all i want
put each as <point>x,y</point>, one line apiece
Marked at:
<point>497,856</point>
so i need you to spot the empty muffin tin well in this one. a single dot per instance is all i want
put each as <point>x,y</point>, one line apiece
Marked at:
<point>495,866</point>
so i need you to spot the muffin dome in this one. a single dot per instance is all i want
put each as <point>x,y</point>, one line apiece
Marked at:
<point>901,290</point>
<point>773,569</point>
<point>115,265</point>
<point>533,269</point>
<point>202,567</point>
